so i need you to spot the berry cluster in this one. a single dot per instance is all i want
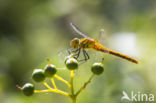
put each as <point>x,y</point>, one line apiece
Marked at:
<point>39,75</point>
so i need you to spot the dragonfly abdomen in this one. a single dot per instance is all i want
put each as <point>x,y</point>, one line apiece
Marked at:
<point>123,56</point>
<point>100,47</point>
<point>103,49</point>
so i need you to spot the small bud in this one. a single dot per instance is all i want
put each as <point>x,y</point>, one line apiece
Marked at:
<point>38,75</point>
<point>71,63</point>
<point>28,89</point>
<point>68,57</point>
<point>97,68</point>
<point>50,70</point>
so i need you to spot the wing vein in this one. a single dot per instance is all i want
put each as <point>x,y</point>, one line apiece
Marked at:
<point>78,31</point>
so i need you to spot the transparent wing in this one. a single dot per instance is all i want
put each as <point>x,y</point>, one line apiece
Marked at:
<point>78,31</point>
<point>102,38</point>
<point>62,55</point>
<point>95,56</point>
<point>66,53</point>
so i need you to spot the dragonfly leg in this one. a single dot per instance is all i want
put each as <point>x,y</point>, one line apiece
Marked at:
<point>86,54</point>
<point>73,51</point>
<point>78,54</point>
<point>76,50</point>
<point>69,52</point>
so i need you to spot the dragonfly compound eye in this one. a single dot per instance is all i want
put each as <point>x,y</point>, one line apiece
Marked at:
<point>75,43</point>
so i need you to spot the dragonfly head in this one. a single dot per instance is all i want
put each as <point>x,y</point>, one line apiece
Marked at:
<point>75,42</point>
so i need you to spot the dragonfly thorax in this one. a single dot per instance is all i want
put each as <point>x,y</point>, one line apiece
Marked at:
<point>75,42</point>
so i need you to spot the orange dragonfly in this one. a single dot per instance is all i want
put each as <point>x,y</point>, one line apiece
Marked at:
<point>88,43</point>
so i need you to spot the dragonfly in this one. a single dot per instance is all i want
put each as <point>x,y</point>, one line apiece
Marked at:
<point>86,43</point>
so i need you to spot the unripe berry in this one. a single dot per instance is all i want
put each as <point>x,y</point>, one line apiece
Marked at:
<point>71,63</point>
<point>50,70</point>
<point>68,57</point>
<point>28,89</point>
<point>97,68</point>
<point>38,75</point>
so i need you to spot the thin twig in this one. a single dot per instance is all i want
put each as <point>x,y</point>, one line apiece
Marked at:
<point>40,91</point>
<point>71,82</point>
<point>46,85</point>
<point>61,79</point>
<point>53,82</point>
<point>85,84</point>
<point>52,90</point>
<point>61,92</point>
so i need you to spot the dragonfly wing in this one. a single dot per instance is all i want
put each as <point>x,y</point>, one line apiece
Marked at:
<point>78,31</point>
<point>63,54</point>
<point>95,56</point>
<point>102,38</point>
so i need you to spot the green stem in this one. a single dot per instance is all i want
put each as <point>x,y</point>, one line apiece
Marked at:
<point>53,83</point>
<point>52,90</point>
<point>73,97</point>
<point>71,82</point>
<point>84,86</point>
<point>63,80</point>
<point>74,100</point>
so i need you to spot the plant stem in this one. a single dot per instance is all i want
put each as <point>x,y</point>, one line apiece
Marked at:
<point>61,79</point>
<point>46,85</point>
<point>85,84</point>
<point>52,90</point>
<point>74,100</point>
<point>53,82</point>
<point>71,81</point>
<point>73,97</point>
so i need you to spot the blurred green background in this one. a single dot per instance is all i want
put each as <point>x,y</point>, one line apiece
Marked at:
<point>32,30</point>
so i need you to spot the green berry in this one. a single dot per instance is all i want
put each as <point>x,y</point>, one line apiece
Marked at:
<point>97,68</point>
<point>28,89</point>
<point>71,64</point>
<point>50,70</point>
<point>38,75</point>
<point>66,59</point>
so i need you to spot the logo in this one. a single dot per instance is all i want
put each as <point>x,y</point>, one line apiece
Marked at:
<point>137,96</point>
